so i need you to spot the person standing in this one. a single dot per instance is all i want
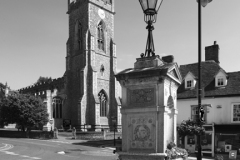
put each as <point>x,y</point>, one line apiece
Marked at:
<point>74,133</point>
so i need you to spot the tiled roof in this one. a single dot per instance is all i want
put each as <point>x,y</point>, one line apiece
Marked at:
<point>209,70</point>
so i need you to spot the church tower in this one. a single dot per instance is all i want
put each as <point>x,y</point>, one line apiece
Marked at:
<point>91,63</point>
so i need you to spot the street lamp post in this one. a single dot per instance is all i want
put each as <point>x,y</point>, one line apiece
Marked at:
<point>204,4</point>
<point>150,9</point>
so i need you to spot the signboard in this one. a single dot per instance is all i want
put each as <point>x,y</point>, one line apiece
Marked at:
<point>233,154</point>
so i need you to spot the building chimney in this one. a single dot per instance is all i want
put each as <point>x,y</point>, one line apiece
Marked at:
<point>212,52</point>
<point>168,59</point>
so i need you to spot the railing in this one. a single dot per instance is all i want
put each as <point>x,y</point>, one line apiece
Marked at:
<point>86,127</point>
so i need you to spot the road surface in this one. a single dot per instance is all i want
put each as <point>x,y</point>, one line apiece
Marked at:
<point>33,149</point>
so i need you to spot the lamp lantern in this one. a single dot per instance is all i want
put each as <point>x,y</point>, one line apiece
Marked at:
<point>150,9</point>
<point>204,2</point>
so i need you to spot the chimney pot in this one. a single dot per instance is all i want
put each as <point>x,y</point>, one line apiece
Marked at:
<point>168,59</point>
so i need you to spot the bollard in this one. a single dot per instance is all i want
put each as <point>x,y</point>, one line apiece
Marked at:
<point>55,134</point>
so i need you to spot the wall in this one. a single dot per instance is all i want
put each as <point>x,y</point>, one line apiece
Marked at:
<point>214,114</point>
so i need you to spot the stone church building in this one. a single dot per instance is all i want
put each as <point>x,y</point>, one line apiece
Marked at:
<point>88,91</point>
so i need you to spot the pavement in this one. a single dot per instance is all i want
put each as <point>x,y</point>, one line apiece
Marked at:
<point>92,143</point>
<point>108,144</point>
<point>193,158</point>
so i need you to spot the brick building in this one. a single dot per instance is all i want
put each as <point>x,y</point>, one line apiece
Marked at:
<point>87,93</point>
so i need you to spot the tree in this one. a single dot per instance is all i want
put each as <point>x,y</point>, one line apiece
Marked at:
<point>188,128</point>
<point>25,110</point>
<point>44,79</point>
<point>2,86</point>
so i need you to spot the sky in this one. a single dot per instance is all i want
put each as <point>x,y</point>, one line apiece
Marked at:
<point>33,35</point>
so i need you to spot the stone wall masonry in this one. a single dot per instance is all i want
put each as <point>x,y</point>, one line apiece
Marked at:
<point>94,20</point>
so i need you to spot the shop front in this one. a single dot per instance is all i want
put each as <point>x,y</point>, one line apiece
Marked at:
<point>227,138</point>
<point>218,139</point>
<point>207,141</point>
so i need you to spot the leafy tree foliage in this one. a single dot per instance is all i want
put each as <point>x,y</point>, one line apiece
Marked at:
<point>2,86</point>
<point>44,79</point>
<point>189,127</point>
<point>25,110</point>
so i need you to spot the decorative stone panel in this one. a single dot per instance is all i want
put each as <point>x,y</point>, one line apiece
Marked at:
<point>142,129</point>
<point>141,97</point>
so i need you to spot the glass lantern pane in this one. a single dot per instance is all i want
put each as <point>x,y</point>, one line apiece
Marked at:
<point>144,4</point>
<point>152,4</point>
<point>204,2</point>
<point>159,2</point>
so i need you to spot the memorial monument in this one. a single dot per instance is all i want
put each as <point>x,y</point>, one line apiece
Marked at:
<point>149,99</point>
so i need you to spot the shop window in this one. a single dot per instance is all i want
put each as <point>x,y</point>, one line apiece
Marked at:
<point>206,142</point>
<point>236,113</point>
<point>194,113</point>
<point>57,107</point>
<point>227,141</point>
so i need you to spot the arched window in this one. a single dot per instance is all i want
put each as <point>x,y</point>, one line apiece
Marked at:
<point>100,35</point>
<point>78,36</point>
<point>57,107</point>
<point>103,103</point>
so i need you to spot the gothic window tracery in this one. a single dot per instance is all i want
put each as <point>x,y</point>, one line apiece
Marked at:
<point>103,103</point>
<point>78,36</point>
<point>100,35</point>
<point>57,107</point>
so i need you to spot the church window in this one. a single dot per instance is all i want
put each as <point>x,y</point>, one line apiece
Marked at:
<point>78,36</point>
<point>57,107</point>
<point>100,35</point>
<point>102,70</point>
<point>103,103</point>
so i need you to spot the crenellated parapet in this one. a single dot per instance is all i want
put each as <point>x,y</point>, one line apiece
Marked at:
<point>107,5</point>
<point>40,89</point>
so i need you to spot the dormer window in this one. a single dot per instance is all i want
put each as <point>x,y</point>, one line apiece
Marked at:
<point>221,79</point>
<point>190,81</point>
<point>220,82</point>
<point>189,84</point>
